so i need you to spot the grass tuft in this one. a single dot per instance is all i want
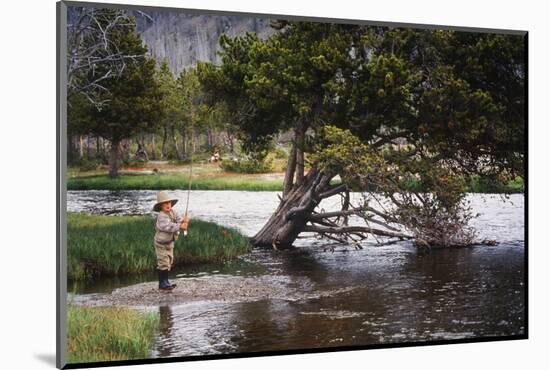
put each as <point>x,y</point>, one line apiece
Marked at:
<point>119,245</point>
<point>108,334</point>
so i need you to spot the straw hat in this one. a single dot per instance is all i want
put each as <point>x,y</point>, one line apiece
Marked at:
<point>162,197</point>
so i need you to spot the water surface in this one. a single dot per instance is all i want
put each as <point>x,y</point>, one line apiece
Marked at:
<point>396,294</point>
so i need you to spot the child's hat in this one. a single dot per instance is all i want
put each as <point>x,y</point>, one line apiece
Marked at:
<point>162,197</point>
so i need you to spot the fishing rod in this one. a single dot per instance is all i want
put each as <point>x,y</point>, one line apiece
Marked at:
<point>190,177</point>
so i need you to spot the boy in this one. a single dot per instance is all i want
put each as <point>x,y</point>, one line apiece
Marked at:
<point>167,226</point>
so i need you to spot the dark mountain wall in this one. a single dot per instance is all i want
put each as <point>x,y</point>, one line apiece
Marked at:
<point>185,39</point>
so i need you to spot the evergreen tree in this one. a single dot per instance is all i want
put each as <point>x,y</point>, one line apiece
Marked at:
<point>174,106</point>
<point>429,106</point>
<point>134,99</point>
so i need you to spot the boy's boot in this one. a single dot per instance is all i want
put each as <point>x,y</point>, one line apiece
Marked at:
<point>163,280</point>
<point>172,285</point>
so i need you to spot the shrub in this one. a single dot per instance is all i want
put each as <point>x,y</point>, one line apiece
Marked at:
<point>280,153</point>
<point>248,166</point>
<point>86,164</point>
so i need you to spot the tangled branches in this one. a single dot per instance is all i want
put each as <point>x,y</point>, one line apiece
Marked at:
<point>94,53</point>
<point>392,205</point>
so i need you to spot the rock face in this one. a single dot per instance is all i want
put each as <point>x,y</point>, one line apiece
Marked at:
<point>185,38</point>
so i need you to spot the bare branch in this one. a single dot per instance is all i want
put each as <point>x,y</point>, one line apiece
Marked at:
<point>92,55</point>
<point>333,191</point>
<point>375,221</point>
<point>353,229</point>
<point>381,214</point>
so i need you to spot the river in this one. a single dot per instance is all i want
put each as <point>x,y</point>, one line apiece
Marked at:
<point>395,295</point>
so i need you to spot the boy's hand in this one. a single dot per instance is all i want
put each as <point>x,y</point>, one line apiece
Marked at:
<point>185,222</point>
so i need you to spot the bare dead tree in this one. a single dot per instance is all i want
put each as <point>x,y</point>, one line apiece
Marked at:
<point>93,54</point>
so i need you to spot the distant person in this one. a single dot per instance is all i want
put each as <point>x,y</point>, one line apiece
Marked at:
<point>216,157</point>
<point>168,225</point>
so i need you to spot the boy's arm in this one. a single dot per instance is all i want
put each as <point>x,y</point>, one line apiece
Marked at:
<point>165,224</point>
<point>183,220</point>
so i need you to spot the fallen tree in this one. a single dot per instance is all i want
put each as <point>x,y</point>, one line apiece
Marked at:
<point>388,208</point>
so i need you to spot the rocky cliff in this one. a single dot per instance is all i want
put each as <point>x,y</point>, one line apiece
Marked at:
<point>185,39</point>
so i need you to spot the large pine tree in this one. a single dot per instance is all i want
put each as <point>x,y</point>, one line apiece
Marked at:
<point>380,108</point>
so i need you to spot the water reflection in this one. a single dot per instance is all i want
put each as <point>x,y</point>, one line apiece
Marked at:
<point>449,294</point>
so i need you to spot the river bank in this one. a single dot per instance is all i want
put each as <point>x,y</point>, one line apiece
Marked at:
<point>211,177</point>
<point>177,181</point>
<point>264,182</point>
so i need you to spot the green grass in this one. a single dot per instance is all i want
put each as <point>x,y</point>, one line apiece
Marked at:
<point>244,183</point>
<point>478,185</point>
<point>108,334</point>
<point>121,245</point>
<point>173,181</point>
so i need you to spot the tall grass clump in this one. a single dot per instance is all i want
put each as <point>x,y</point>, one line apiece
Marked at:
<point>119,245</point>
<point>97,334</point>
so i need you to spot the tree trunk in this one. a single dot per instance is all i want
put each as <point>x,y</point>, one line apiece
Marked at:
<point>80,146</point>
<point>113,158</point>
<point>290,169</point>
<point>97,148</point>
<point>141,152</point>
<point>163,147</point>
<point>299,156</point>
<point>209,141</point>
<point>299,166</point>
<point>103,151</point>
<point>290,218</point>
<point>153,148</point>
<point>72,150</point>
<point>88,145</point>
<point>183,141</point>
<point>175,138</point>
<point>124,151</point>
<point>231,143</point>
<point>185,146</point>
